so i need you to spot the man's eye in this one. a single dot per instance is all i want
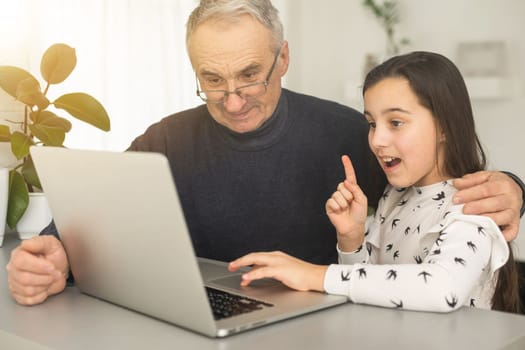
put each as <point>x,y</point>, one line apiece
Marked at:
<point>249,76</point>
<point>213,81</point>
<point>372,125</point>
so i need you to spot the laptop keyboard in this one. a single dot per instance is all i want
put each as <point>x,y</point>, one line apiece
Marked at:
<point>224,304</point>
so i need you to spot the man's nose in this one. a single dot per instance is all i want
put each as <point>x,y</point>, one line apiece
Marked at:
<point>233,102</point>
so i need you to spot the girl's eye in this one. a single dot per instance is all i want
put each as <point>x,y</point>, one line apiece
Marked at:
<point>396,123</point>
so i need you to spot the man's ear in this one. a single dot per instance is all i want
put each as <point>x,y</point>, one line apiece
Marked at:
<point>284,59</point>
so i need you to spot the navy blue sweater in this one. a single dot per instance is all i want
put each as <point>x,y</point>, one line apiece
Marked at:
<point>263,190</point>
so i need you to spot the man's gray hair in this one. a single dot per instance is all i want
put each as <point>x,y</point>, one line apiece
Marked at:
<point>231,10</point>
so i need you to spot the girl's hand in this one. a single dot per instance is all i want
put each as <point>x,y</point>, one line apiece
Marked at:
<point>292,272</point>
<point>347,210</point>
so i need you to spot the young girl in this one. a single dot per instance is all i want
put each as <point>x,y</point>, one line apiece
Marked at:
<point>419,251</point>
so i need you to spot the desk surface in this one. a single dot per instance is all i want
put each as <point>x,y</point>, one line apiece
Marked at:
<point>72,320</point>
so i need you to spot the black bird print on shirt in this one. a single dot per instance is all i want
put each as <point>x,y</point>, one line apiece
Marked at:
<point>389,247</point>
<point>394,223</point>
<point>436,252</point>
<point>396,254</point>
<point>385,195</point>
<point>407,230</point>
<point>345,276</point>
<point>391,274</point>
<point>403,202</point>
<point>425,275</point>
<point>369,249</point>
<point>460,261</point>
<point>472,246</point>
<point>439,196</point>
<point>362,272</point>
<point>453,302</point>
<point>481,230</point>
<point>418,259</point>
<point>472,302</point>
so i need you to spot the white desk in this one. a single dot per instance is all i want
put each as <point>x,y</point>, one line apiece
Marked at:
<point>72,320</point>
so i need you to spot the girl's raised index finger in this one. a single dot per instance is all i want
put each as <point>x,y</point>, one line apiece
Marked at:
<point>349,169</point>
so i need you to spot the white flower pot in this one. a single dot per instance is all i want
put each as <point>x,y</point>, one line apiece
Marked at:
<point>4,192</point>
<point>36,217</point>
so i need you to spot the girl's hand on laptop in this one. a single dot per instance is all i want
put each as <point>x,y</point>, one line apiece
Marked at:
<point>292,272</point>
<point>37,269</point>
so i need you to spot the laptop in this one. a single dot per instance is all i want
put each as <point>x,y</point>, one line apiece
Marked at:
<point>123,228</point>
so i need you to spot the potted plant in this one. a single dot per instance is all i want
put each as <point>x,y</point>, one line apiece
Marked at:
<point>40,125</point>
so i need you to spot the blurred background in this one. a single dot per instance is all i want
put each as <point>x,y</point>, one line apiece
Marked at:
<point>132,58</point>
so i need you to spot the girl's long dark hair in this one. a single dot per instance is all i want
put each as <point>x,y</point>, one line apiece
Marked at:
<point>440,88</point>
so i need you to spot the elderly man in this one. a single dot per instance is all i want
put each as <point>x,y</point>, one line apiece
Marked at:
<point>254,164</point>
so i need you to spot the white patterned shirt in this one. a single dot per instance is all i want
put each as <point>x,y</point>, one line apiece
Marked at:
<point>422,253</point>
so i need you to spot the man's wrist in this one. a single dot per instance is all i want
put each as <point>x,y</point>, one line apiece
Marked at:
<point>522,186</point>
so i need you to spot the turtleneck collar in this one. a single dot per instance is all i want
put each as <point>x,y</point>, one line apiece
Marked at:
<point>265,136</point>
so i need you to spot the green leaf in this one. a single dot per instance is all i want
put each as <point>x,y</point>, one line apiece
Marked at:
<point>29,92</point>
<point>18,198</point>
<point>10,77</point>
<point>5,134</point>
<point>86,108</point>
<point>50,136</point>
<point>50,119</point>
<point>20,144</point>
<point>57,63</point>
<point>29,173</point>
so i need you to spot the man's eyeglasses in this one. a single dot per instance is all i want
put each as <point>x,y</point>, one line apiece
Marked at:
<point>245,92</point>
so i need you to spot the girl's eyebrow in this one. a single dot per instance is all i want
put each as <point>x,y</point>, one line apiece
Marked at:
<point>396,109</point>
<point>388,110</point>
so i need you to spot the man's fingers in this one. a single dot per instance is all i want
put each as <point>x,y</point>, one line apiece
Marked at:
<point>27,290</point>
<point>22,260</point>
<point>488,205</point>
<point>349,169</point>
<point>23,278</point>
<point>470,180</point>
<point>40,244</point>
<point>32,300</point>
<point>510,232</point>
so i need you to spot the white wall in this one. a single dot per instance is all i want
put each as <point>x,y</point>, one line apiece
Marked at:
<point>329,40</point>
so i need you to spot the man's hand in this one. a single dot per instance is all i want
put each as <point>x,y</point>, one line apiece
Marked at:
<point>492,194</point>
<point>37,269</point>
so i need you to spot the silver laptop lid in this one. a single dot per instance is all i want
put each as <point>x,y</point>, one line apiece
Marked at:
<point>102,202</point>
